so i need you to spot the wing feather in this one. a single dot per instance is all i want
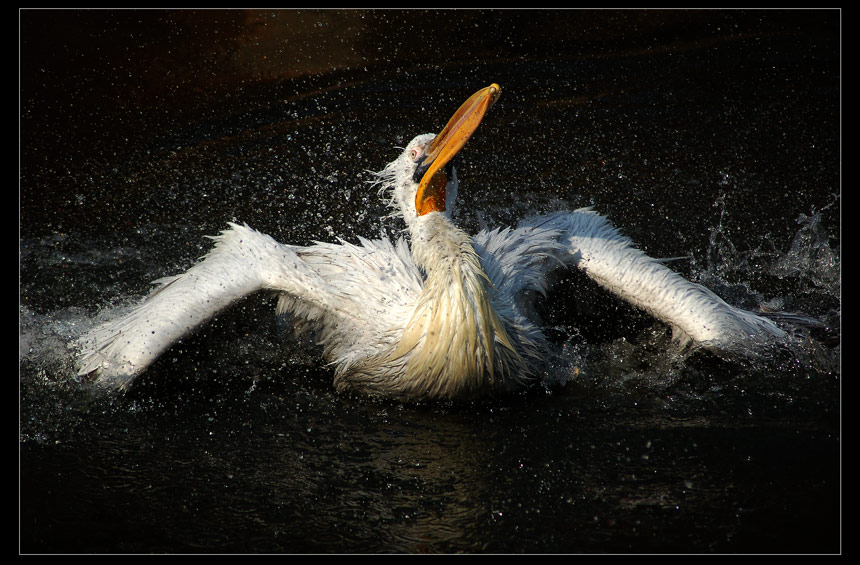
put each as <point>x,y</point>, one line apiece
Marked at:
<point>521,259</point>
<point>328,284</point>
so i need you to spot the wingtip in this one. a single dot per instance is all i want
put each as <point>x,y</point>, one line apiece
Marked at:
<point>97,371</point>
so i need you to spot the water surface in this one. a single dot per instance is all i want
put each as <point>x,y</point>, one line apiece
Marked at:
<point>710,136</point>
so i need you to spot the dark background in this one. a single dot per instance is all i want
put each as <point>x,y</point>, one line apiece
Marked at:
<point>712,135</point>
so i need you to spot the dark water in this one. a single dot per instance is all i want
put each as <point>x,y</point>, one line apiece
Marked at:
<point>712,136</point>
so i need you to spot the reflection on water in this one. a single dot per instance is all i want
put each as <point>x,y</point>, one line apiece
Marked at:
<point>711,142</point>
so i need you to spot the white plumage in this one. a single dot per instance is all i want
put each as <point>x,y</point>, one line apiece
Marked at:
<point>442,315</point>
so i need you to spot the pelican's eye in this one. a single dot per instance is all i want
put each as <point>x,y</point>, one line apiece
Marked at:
<point>417,153</point>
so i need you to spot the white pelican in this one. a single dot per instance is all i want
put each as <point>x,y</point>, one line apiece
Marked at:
<point>442,316</point>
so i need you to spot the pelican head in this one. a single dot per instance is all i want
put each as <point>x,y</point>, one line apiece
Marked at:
<point>422,179</point>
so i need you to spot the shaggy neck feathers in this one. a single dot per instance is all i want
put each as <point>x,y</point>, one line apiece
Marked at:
<point>456,341</point>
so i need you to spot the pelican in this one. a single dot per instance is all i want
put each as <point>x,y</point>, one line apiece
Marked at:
<point>435,315</point>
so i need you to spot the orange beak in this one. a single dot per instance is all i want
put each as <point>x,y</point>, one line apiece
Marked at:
<point>461,126</point>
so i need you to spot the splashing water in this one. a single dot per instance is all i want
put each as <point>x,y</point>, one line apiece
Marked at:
<point>810,256</point>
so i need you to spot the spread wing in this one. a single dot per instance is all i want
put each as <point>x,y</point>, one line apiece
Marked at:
<point>518,260</point>
<point>337,288</point>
